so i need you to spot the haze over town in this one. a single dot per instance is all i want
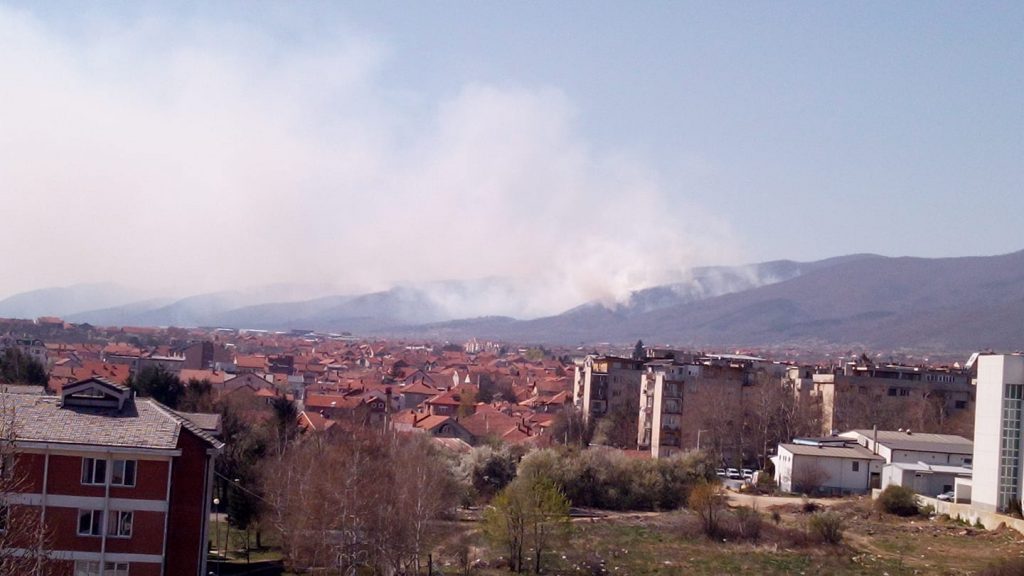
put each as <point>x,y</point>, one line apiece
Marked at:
<point>578,152</point>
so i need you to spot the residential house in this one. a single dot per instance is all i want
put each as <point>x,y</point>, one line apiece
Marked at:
<point>122,484</point>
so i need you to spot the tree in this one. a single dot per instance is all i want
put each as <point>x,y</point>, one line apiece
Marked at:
<point>16,367</point>
<point>809,477</point>
<point>708,501</point>
<point>24,535</point>
<point>570,428</point>
<point>357,502</point>
<point>618,427</point>
<point>197,397</point>
<point>638,350</point>
<point>529,512</point>
<point>286,420</point>
<point>158,383</point>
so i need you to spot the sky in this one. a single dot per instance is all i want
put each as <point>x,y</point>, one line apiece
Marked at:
<point>580,149</point>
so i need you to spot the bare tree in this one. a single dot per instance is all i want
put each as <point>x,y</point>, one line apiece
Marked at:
<point>809,477</point>
<point>24,537</point>
<point>360,502</point>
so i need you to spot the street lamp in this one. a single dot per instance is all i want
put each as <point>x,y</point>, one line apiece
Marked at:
<point>216,535</point>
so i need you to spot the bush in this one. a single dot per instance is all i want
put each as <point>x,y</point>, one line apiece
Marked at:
<point>828,526</point>
<point>1009,567</point>
<point>748,523</point>
<point>604,478</point>
<point>708,502</point>
<point>898,500</point>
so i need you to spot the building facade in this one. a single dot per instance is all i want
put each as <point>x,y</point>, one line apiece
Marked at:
<point>122,486</point>
<point>998,465</point>
<point>604,383</point>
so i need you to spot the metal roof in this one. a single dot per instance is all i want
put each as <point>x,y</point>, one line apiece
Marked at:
<point>854,452</point>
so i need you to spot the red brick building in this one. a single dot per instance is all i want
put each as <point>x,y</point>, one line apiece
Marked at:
<point>122,484</point>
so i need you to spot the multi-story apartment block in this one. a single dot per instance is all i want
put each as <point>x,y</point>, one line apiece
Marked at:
<point>692,405</point>
<point>122,485</point>
<point>998,481</point>
<point>860,395</point>
<point>604,383</point>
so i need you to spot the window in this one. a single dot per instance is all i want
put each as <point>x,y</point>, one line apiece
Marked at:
<point>90,522</point>
<point>120,524</point>
<point>961,404</point>
<point>5,513</point>
<point>92,568</point>
<point>7,466</point>
<point>94,471</point>
<point>856,466</point>
<point>122,473</point>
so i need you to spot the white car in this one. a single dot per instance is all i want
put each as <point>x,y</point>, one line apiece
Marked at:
<point>747,474</point>
<point>946,496</point>
<point>733,474</point>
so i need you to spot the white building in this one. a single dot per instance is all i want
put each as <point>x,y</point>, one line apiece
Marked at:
<point>830,465</point>
<point>997,432</point>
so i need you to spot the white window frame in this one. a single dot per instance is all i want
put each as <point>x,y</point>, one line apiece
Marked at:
<point>125,465</point>
<point>92,568</point>
<point>119,523</point>
<point>96,524</point>
<point>89,471</point>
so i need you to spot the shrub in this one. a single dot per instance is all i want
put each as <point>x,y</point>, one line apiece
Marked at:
<point>708,502</point>
<point>1008,567</point>
<point>603,478</point>
<point>828,526</point>
<point>898,500</point>
<point>748,523</point>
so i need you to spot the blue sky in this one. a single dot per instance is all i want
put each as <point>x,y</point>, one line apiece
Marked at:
<point>735,132</point>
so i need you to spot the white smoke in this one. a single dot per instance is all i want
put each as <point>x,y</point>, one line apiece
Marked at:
<point>194,158</point>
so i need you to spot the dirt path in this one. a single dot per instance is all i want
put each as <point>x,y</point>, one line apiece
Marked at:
<point>762,502</point>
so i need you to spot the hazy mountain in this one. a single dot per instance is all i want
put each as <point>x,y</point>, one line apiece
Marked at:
<point>946,303</point>
<point>67,300</point>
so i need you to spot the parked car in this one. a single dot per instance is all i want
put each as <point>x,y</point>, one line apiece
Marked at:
<point>720,472</point>
<point>733,474</point>
<point>946,496</point>
<point>747,474</point>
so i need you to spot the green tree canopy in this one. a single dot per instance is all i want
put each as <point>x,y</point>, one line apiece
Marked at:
<point>159,384</point>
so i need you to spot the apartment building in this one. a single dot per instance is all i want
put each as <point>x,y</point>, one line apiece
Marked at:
<point>861,395</point>
<point>684,406</point>
<point>998,481</point>
<point>604,383</point>
<point>122,485</point>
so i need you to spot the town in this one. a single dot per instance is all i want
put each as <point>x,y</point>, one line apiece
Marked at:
<point>134,450</point>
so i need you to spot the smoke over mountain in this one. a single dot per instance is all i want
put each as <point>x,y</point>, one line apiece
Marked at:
<point>223,157</point>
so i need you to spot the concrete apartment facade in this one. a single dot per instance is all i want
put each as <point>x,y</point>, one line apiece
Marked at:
<point>855,396</point>
<point>604,383</point>
<point>686,405</point>
<point>122,485</point>
<point>998,465</point>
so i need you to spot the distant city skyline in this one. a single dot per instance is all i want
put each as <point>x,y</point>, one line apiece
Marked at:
<point>587,148</point>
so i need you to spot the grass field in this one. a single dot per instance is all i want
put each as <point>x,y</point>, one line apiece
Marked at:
<point>671,543</point>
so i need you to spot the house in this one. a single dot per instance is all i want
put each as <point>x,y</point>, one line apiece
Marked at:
<point>934,460</point>
<point>829,465</point>
<point>113,478</point>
